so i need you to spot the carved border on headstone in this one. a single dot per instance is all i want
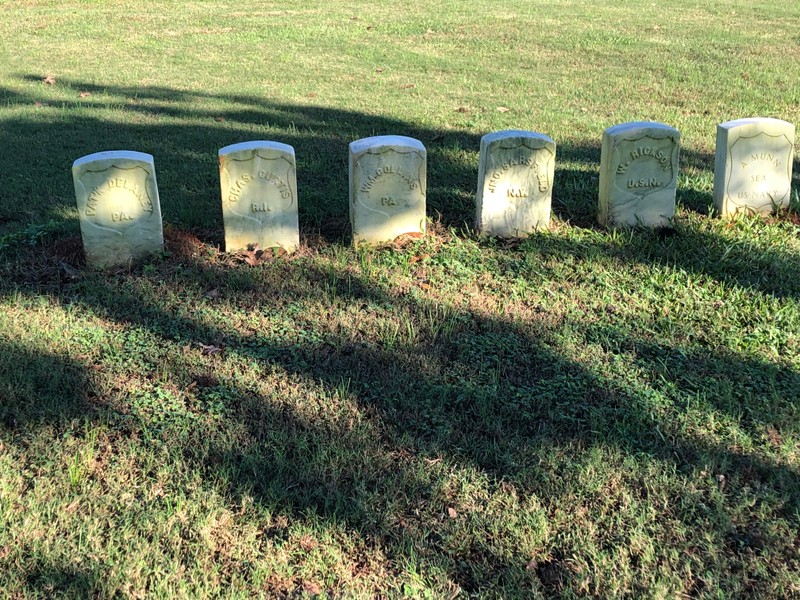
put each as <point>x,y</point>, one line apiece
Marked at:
<point>402,211</point>
<point>744,157</point>
<point>279,197</point>
<point>118,206</point>
<point>531,198</point>
<point>648,197</point>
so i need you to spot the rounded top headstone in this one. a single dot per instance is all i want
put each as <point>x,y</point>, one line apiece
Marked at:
<point>768,121</point>
<point>496,136</point>
<point>642,127</point>
<point>378,142</point>
<point>113,155</point>
<point>257,145</point>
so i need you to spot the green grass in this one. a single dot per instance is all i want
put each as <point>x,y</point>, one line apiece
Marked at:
<point>582,413</point>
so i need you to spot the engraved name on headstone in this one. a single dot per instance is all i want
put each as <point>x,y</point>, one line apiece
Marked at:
<point>515,183</point>
<point>259,195</point>
<point>118,207</point>
<point>753,166</point>
<point>638,175</point>
<point>387,188</point>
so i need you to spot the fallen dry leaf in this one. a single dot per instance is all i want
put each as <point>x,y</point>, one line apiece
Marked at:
<point>379,70</point>
<point>503,109</point>
<point>452,512</point>
<point>462,109</point>
<point>408,86</point>
<point>219,119</point>
<point>308,543</point>
<point>405,239</point>
<point>311,587</point>
<point>49,80</point>
<point>209,349</point>
<point>311,95</point>
<point>212,294</point>
<point>512,243</point>
<point>38,104</point>
<point>84,94</point>
<point>773,436</point>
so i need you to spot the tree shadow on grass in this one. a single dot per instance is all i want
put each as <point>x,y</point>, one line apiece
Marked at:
<point>494,395</point>
<point>51,581</point>
<point>38,386</point>
<point>736,262</point>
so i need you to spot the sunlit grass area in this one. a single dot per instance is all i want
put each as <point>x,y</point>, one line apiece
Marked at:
<point>580,413</point>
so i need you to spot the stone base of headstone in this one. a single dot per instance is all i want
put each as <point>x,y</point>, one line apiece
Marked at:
<point>387,188</point>
<point>638,175</point>
<point>515,183</point>
<point>259,196</point>
<point>753,166</point>
<point>118,207</point>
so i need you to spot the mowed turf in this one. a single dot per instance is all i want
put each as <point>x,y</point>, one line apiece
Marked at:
<point>581,413</point>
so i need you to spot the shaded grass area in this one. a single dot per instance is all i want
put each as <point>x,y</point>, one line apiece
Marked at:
<point>467,434</point>
<point>582,413</point>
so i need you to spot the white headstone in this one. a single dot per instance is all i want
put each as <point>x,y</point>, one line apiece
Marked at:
<point>387,187</point>
<point>753,167</point>
<point>515,183</point>
<point>638,175</point>
<point>259,195</point>
<point>118,206</point>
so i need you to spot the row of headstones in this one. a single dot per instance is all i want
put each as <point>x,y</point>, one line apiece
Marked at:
<point>120,214</point>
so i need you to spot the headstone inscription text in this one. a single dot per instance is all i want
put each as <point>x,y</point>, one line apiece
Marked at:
<point>118,207</point>
<point>515,183</point>
<point>259,195</point>
<point>753,166</point>
<point>638,175</point>
<point>387,188</point>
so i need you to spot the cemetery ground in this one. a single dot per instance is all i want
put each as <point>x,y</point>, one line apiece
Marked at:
<point>581,413</point>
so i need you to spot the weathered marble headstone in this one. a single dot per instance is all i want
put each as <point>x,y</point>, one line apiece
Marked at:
<point>118,205</point>
<point>387,187</point>
<point>638,175</point>
<point>753,167</point>
<point>515,183</point>
<point>259,195</point>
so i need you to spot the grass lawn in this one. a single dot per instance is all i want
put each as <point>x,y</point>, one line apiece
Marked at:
<point>581,413</point>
